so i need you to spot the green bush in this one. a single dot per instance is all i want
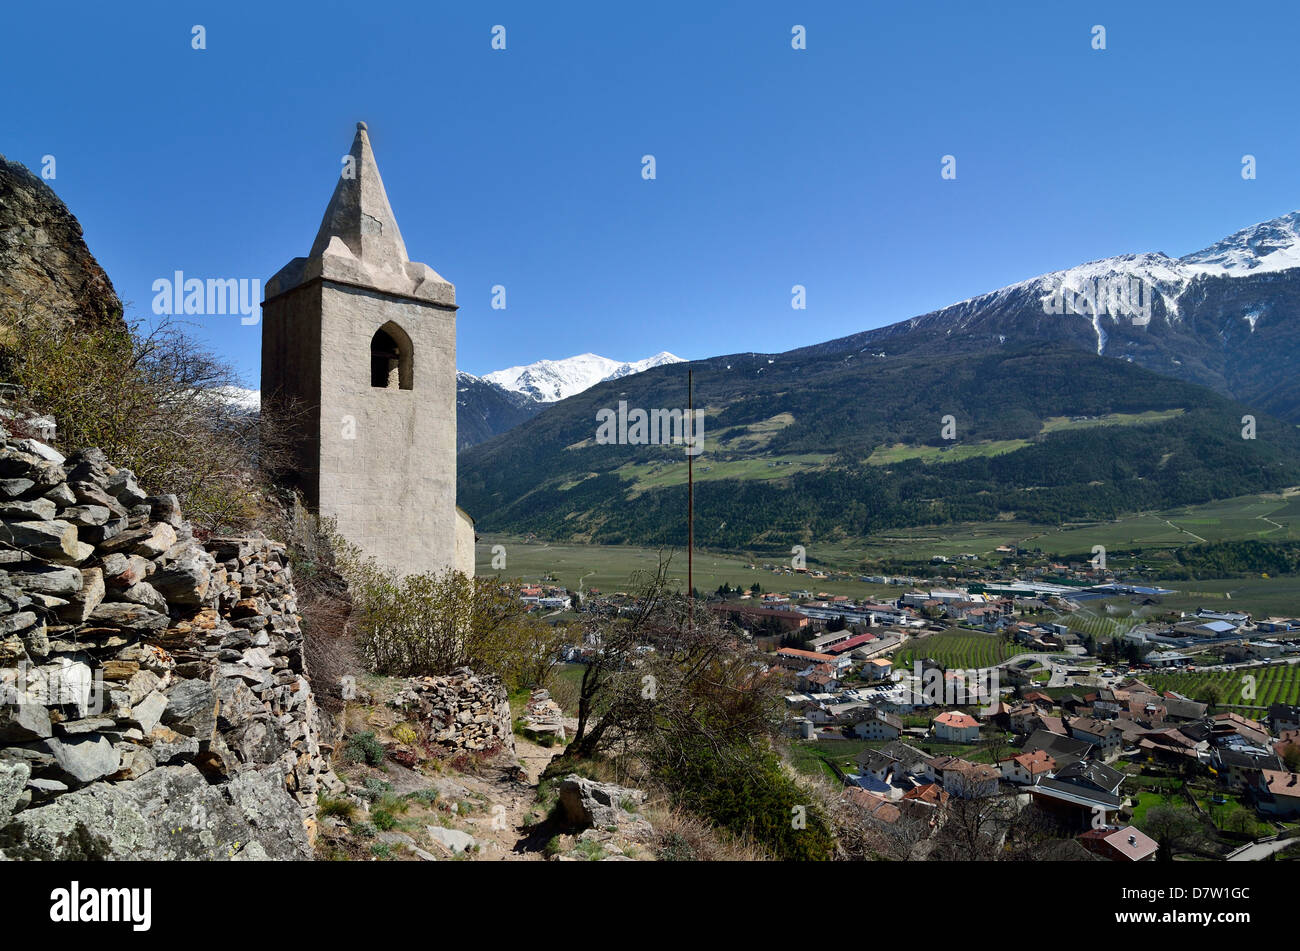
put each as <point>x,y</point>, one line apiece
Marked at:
<point>675,847</point>
<point>428,797</point>
<point>364,748</point>
<point>744,790</point>
<point>374,789</point>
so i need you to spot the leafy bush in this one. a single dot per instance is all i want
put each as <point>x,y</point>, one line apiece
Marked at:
<point>364,748</point>
<point>674,847</point>
<point>745,791</point>
<point>432,623</point>
<point>427,797</point>
<point>374,789</point>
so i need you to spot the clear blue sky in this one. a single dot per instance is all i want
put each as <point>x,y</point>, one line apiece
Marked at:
<point>775,167</point>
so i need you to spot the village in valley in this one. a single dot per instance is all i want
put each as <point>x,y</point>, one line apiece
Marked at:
<point>986,699</point>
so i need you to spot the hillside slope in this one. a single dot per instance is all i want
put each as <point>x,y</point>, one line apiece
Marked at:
<point>831,444</point>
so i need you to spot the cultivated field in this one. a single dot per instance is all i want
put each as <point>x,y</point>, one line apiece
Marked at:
<point>957,649</point>
<point>1279,683</point>
<point>610,568</point>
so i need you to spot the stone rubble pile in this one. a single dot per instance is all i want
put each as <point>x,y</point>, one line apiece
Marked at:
<point>462,711</point>
<point>542,716</point>
<point>154,699</point>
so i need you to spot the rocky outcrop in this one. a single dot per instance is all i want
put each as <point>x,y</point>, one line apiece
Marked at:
<point>461,711</point>
<point>172,813</point>
<point>45,266</point>
<point>154,698</point>
<point>587,804</point>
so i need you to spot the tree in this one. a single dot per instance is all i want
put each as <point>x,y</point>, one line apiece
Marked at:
<point>1210,694</point>
<point>975,823</point>
<point>690,705</point>
<point>1240,820</point>
<point>1174,828</point>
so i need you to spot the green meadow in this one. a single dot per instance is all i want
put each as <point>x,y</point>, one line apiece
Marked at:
<point>1273,516</point>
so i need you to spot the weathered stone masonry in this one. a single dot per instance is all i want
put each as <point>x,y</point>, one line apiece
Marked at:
<point>155,701</point>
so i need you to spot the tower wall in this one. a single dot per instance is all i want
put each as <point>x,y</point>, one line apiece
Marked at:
<point>392,486</point>
<point>375,445</point>
<point>291,377</point>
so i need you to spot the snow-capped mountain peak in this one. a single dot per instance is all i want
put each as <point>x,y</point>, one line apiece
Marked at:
<point>549,380</point>
<point>1272,245</point>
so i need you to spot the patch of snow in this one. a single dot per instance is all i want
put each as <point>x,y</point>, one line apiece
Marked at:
<point>551,380</point>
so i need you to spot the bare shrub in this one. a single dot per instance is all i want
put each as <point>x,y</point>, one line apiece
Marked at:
<point>152,398</point>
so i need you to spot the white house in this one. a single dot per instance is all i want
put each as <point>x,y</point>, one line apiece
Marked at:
<point>955,727</point>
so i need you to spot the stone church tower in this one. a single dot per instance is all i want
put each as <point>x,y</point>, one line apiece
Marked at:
<point>363,339</point>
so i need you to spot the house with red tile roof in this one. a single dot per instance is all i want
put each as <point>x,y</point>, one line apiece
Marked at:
<point>1026,768</point>
<point>952,726</point>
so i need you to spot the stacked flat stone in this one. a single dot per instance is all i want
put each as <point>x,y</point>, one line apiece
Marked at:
<point>462,711</point>
<point>138,662</point>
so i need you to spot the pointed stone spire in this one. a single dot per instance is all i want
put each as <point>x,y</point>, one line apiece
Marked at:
<point>359,242</point>
<point>359,214</point>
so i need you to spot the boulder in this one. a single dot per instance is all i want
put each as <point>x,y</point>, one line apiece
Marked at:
<point>148,712</point>
<point>192,709</point>
<point>453,840</point>
<point>87,597</point>
<point>42,509</point>
<point>122,571</point>
<point>88,493</point>
<point>149,540</point>
<point>22,722</point>
<point>167,745</point>
<point>55,540</point>
<point>85,516</point>
<point>83,759</point>
<point>129,617</point>
<point>586,803</point>
<point>142,592</point>
<point>186,581</point>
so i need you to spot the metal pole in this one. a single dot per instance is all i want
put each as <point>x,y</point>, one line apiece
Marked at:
<point>690,501</point>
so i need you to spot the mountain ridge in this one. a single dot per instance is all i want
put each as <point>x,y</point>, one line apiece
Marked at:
<point>546,381</point>
<point>851,425</point>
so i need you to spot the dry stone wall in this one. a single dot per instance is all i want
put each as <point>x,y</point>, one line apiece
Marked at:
<point>154,698</point>
<point>461,711</point>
